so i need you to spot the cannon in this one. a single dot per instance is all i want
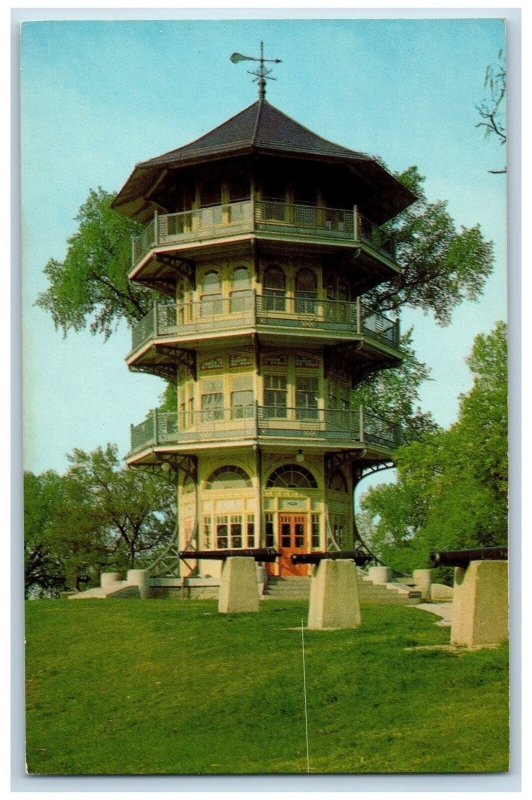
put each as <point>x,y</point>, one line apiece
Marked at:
<point>358,556</point>
<point>462,558</point>
<point>264,554</point>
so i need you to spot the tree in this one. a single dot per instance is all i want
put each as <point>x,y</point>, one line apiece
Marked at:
<point>96,517</point>
<point>452,485</point>
<point>43,570</point>
<point>90,287</point>
<point>134,507</point>
<point>439,267</point>
<point>394,393</point>
<point>492,108</point>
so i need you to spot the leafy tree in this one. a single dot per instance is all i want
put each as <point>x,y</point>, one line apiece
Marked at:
<point>452,485</point>
<point>98,516</point>
<point>90,286</point>
<point>42,567</point>
<point>440,267</point>
<point>394,393</point>
<point>135,508</point>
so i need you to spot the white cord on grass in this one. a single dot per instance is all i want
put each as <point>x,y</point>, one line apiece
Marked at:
<point>305,694</point>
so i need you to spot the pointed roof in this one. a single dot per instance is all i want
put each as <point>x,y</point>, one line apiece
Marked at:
<point>260,128</point>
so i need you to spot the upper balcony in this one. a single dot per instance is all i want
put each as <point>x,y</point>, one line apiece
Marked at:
<point>275,317</point>
<point>271,427</point>
<point>265,219</point>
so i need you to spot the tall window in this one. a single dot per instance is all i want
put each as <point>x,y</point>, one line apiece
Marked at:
<point>241,294</point>
<point>274,289</point>
<point>269,530</point>
<point>306,292</point>
<point>275,392</point>
<point>211,298</point>
<point>212,400</point>
<point>307,398</point>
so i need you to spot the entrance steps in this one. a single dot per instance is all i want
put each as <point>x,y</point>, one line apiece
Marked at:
<point>292,588</point>
<point>298,588</point>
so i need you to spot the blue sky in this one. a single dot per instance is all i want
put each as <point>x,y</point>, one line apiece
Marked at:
<point>96,97</point>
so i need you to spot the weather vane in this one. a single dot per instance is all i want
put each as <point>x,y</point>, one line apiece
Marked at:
<point>262,74</point>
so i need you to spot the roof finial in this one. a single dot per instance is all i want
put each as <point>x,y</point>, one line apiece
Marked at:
<point>262,74</point>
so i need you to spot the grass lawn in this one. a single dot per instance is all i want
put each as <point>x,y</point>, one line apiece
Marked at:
<point>173,687</point>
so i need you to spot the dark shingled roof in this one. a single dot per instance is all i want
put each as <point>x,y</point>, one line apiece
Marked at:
<point>260,128</point>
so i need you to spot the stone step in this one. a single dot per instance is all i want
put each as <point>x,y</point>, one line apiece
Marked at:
<point>298,588</point>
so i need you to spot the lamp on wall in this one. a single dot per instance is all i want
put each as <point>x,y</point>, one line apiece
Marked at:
<point>300,456</point>
<point>165,466</point>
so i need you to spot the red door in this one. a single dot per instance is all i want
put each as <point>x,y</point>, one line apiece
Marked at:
<point>292,539</point>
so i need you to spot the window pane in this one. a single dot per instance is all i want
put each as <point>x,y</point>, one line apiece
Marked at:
<point>242,404</point>
<point>250,535</point>
<point>211,305</point>
<point>300,535</point>
<point>241,278</point>
<point>211,283</point>
<point>241,301</point>
<point>285,534</point>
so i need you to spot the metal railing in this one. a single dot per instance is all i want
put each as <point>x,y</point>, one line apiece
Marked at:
<point>245,309</point>
<point>249,216</point>
<point>305,423</point>
<point>376,237</point>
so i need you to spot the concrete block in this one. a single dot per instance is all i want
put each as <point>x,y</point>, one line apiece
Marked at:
<point>238,586</point>
<point>439,593</point>
<point>140,578</point>
<point>423,581</point>
<point>480,604</point>
<point>334,600</point>
<point>380,574</point>
<point>108,579</point>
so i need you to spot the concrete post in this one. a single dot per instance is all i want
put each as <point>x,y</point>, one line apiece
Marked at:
<point>423,582</point>
<point>109,579</point>
<point>480,604</point>
<point>380,574</point>
<point>238,586</point>
<point>334,601</point>
<point>139,577</point>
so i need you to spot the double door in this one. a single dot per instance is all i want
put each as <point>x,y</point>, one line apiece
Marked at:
<point>293,538</point>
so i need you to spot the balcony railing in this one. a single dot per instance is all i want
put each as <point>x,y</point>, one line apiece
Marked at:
<point>250,216</point>
<point>230,424</point>
<point>247,309</point>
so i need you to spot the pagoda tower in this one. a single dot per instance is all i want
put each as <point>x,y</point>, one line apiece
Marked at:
<point>261,238</point>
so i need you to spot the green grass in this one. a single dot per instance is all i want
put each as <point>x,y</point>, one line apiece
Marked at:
<point>173,687</point>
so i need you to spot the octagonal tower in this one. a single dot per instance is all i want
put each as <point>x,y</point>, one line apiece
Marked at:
<point>262,238</point>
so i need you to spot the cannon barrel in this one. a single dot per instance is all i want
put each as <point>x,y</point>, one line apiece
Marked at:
<point>358,556</point>
<point>265,554</point>
<point>462,558</point>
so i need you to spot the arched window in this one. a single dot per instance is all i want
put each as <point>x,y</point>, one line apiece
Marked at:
<point>306,292</point>
<point>211,298</point>
<point>274,289</point>
<point>338,482</point>
<point>291,476</point>
<point>228,477</point>
<point>241,294</point>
